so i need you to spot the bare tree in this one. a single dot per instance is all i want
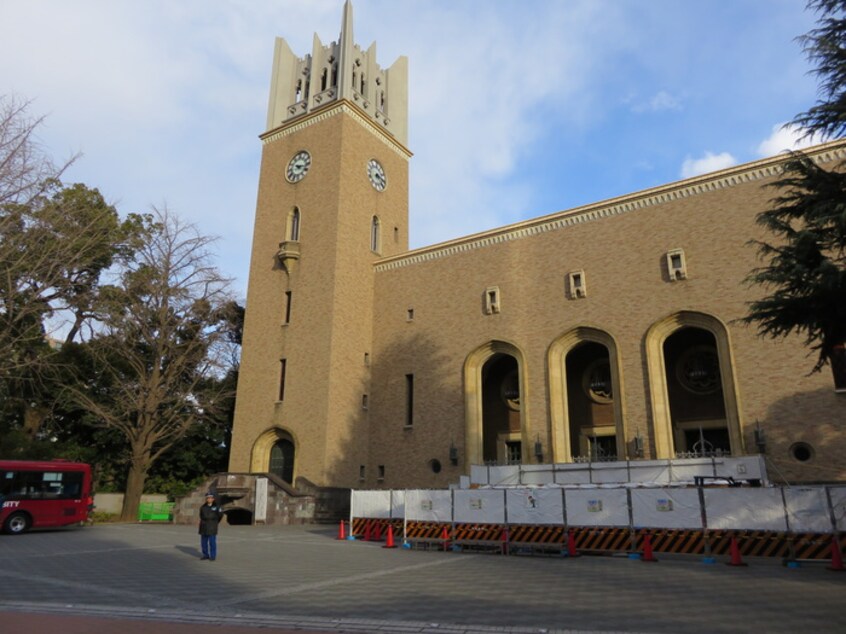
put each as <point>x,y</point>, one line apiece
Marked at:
<point>24,167</point>
<point>165,334</point>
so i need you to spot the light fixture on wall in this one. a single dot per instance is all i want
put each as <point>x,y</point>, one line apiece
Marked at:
<point>453,454</point>
<point>760,439</point>
<point>638,445</point>
<point>538,450</point>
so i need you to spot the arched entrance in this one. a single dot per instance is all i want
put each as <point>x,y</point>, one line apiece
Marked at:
<point>282,460</point>
<point>586,404</point>
<point>590,403</point>
<point>692,388</point>
<point>495,405</point>
<point>274,452</point>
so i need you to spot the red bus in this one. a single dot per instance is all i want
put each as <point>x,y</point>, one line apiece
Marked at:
<point>43,494</point>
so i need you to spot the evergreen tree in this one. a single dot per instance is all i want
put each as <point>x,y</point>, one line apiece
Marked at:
<point>805,269</point>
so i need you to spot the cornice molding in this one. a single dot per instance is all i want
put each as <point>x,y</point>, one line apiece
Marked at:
<point>341,106</point>
<point>748,172</point>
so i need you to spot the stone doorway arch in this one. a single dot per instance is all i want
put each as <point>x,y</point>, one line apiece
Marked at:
<point>271,443</point>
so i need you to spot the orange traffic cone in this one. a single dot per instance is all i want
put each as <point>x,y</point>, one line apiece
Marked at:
<point>571,544</point>
<point>377,532</point>
<point>445,538</point>
<point>341,534</point>
<point>836,556</point>
<point>734,549</point>
<point>504,539</point>
<point>367,531</point>
<point>647,548</point>
<point>390,535</point>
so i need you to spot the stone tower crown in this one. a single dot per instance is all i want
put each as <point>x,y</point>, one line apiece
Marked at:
<point>340,70</point>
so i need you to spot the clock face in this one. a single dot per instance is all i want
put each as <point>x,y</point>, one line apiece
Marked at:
<point>376,174</point>
<point>298,166</point>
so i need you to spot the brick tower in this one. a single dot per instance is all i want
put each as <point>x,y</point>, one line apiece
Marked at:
<point>332,198</point>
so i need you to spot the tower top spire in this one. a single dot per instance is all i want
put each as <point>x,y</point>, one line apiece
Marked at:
<point>335,72</point>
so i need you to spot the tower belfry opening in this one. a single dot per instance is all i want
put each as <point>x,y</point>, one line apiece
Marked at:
<point>340,70</point>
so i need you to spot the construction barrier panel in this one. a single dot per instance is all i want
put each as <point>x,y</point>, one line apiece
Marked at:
<point>747,509</point>
<point>534,506</point>
<point>479,506</point>
<point>788,522</point>
<point>666,508</point>
<point>597,507</point>
<point>155,511</point>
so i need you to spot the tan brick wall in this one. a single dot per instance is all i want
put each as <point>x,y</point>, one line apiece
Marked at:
<point>342,309</point>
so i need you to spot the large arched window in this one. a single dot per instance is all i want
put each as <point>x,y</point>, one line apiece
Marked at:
<point>692,386</point>
<point>586,397</point>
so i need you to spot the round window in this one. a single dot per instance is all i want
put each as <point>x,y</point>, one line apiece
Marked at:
<point>698,370</point>
<point>596,381</point>
<point>510,390</point>
<point>435,465</point>
<point>802,451</point>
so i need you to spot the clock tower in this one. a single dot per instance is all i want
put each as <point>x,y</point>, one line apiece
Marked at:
<point>332,199</point>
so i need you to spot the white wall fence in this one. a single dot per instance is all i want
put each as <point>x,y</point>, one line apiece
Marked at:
<point>797,509</point>
<point>677,471</point>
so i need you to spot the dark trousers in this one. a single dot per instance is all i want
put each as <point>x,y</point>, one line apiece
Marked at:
<point>208,543</point>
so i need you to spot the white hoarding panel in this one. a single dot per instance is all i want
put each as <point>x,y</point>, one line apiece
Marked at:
<point>398,504</point>
<point>479,506</point>
<point>501,476</point>
<point>666,508</point>
<point>374,504</point>
<point>534,506</point>
<point>745,509</point>
<point>572,473</point>
<point>742,468</point>
<point>428,505</point>
<point>807,509</point>
<point>650,471</point>
<point>537,474</point>
<point>596,507</point>
<point>609,473</point>
<point>686,470</point>
<point>478,474</point>
<point>838,502</point>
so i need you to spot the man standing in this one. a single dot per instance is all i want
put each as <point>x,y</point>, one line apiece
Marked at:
<point>210,515</point>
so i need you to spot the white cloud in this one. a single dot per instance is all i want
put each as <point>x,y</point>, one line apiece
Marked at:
<point>785,137</point>
<point>708,163</point>
<point>659,102</point>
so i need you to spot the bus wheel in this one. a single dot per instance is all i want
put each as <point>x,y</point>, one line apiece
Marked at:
<point>17,523</point>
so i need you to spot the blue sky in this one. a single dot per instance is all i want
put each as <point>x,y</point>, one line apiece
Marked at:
<point>518,108</point>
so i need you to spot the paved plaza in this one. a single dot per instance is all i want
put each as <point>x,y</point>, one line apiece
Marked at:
<point>303,579</point>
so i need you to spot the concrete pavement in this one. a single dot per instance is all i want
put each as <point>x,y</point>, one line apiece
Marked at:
<point>303,579</point>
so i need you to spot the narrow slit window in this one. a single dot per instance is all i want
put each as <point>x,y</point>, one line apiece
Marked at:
<point>323,79</point>
<point>361,472</point>
<point>364,401</point>
<point>375,235</point>
<point>409,315</point>
<point>282,370</point>
<point>288,297</point>
<point>409,400</point>
<point>294,233</point>
<point>381,473</point>
<point>367,359</point>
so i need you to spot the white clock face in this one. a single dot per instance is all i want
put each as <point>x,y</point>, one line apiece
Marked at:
<point>298,166</point>
<point>376,174</point>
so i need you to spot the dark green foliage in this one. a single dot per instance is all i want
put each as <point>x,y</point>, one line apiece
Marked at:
<point>806,267</point>
<point>805,271</point>
<point>825,47</point>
